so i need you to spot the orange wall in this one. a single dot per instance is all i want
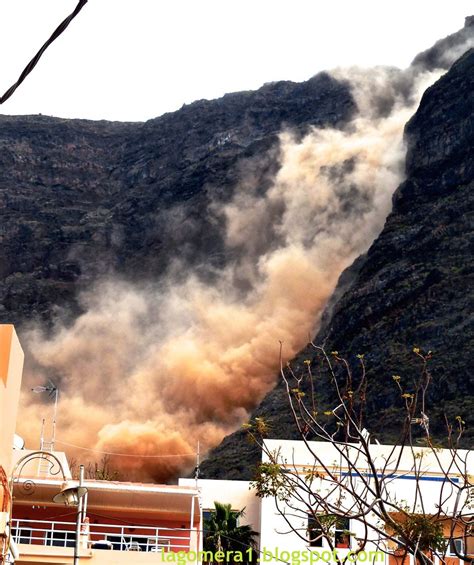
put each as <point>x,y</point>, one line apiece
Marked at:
<point>393,560</point>
<point>57,511</point>
<point>11,367</point>
<point>64,514</point>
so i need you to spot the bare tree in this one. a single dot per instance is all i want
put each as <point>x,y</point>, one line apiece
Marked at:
<point>357,485</point>
<point>98,470</point>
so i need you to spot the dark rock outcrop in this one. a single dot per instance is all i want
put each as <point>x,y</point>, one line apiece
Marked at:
<point>447,49</point>
<point>79,199</point>
<point>414,288</point>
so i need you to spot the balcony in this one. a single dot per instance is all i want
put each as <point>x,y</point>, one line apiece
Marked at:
<point>110,537</point>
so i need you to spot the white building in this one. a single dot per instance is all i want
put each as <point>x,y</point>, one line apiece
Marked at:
<point>419,479</point>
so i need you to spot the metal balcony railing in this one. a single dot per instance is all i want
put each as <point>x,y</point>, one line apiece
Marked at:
<point>102,536</point>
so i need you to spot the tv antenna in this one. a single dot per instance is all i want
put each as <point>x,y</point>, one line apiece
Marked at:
<point>53,392</point>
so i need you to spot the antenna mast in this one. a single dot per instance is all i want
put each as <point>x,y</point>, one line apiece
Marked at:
<point>196,474</point>
<point>55,412</point>
<point>52,390</point>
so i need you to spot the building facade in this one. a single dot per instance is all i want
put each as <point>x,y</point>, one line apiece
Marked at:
<point>115,522</point>
<point>119,522</point>
<point>11,367</point>
<point>417,479</point>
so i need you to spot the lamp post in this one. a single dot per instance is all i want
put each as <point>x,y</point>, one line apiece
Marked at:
<point>71,495</point>
<point>71,492</point>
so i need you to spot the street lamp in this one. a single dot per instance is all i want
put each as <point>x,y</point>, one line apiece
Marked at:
<point>71,493</point>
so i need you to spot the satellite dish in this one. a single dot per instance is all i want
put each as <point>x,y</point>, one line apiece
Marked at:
<point>18,442</point>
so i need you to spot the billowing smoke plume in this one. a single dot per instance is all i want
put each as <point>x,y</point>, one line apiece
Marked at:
<point>152,370</point>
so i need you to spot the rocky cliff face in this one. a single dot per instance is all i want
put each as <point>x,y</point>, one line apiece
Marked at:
<point>414,288</point>
<point>80,198</point>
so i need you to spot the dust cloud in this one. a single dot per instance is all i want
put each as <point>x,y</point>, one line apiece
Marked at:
<point>151,370</point>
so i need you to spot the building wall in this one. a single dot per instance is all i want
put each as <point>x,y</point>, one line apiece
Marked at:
<point>119,516</point>
<point>11,367</point>
<point>278,537</point>
<point>34,467</point>
<point>137,523</point>
<point>235,493</point>
<point>64,556</point>
<point>282,522</point>
<point>394,560</point>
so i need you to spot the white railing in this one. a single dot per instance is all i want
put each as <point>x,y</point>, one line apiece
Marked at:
<point>101,536</point>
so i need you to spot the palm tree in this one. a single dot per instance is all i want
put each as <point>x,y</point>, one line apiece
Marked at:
<point>223,533</point>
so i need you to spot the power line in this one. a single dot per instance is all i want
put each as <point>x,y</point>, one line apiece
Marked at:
<point>124,454</point>
<point>32,64</point>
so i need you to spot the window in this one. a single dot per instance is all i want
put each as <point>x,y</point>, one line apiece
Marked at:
<point>334,528</point>
<point>342,537</point>
<point>315,533</point>
<point>400,546</point>
<point>453,545</point>
<point>206,515</point>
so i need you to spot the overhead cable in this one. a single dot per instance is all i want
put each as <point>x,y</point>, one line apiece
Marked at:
<point>32,64</point>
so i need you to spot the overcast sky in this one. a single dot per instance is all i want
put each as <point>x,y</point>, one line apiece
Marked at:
<point>136,59</point>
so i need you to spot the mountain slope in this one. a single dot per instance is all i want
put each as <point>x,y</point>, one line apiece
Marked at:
<point>413,288</point>
<point>79,199</point>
